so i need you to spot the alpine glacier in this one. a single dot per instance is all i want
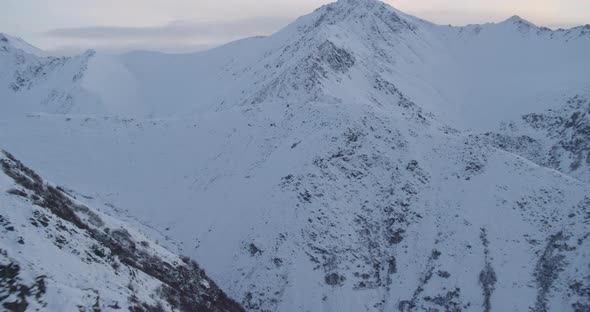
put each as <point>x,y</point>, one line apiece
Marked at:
<point>360,159</point>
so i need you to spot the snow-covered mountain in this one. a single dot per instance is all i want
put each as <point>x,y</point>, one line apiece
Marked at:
<point>360,159</point>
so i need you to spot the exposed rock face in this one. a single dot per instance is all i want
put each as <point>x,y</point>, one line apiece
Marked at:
<point>557,138</point>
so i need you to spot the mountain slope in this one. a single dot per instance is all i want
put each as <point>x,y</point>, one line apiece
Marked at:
<point>353,161</point>
<point>30,82</point>
<point>57,254</point>
<point>557,138</point>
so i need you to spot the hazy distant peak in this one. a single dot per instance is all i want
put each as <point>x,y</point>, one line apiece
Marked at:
<point>517,20</point>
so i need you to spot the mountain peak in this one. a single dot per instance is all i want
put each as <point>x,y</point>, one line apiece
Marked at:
<point>353,11</point>
<point>517,20</point>
<point>358,2</point>
<point>362,5</point>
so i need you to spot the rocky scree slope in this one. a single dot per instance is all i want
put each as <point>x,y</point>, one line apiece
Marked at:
<point>557,138</point>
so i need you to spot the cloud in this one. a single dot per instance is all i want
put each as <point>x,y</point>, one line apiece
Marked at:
<point>177,36</point>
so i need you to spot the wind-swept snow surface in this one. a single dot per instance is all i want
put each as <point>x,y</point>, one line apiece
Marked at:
<point>360,159</point>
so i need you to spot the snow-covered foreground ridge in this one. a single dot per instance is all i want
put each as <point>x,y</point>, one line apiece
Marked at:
<point>360,159</point>
<point>57,254</point>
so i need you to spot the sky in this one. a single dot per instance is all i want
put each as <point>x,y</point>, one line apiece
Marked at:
<point>71,26</point>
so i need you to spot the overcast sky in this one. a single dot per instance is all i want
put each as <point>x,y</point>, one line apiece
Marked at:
<point>189,25</point>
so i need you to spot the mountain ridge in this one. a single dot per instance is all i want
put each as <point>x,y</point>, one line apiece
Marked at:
<point>95,242</point>
<point>371,12</point>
